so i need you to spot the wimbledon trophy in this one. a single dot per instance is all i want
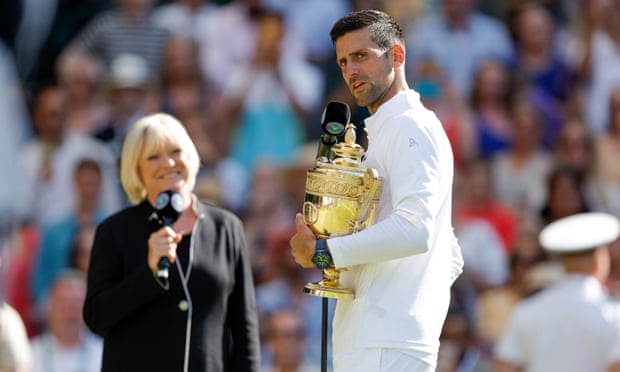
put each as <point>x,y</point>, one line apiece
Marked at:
<point>341,195</point>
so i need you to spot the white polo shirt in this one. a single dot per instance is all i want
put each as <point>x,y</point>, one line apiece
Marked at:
<point>572,326</point>
<point>401,268</point>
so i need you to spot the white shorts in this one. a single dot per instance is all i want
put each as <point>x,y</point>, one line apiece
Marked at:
<point>379,360</point>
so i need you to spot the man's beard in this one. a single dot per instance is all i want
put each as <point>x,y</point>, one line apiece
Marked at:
<point>369,97</point>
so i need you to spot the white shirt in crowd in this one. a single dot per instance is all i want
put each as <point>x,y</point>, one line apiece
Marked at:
<point>572,326</point>
<point>50,356</point>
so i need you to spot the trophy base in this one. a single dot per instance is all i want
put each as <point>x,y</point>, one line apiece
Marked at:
<point>321,290</point>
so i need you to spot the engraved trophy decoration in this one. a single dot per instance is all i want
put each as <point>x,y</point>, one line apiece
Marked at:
<point>341,195</point>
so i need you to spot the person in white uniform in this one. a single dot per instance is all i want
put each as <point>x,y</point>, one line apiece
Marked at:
<point>401,268</point>
<point>574,324</point>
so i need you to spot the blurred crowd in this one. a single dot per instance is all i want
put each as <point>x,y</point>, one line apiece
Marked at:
<point>528,92</point>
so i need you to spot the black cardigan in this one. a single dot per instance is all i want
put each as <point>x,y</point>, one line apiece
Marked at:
<point>144,325</point>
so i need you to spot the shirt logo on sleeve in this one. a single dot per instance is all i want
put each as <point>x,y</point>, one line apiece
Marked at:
<point>412,143</point>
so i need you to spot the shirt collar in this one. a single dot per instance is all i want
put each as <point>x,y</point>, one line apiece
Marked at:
<point>394,106</point>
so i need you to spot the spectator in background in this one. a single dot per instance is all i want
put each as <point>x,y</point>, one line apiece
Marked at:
<point>438,93</point>
<point>520,171</point>
<point>220,180</point>
<point>65,343</point>
<point>19,255</point>
<point>295,175</point>
<point>595,53</point>
<point>233,23</point>
<point>58,239</point>
<point>477,200</point>
<point>485,254</point>
<point>15,354</point>
<point>182,88</point>
<point>286,343</point>
<point>270,97</point>
<point>82,246</point>
<point>537,59</point>
<point>126,90</point>
<point>458,39</point>
<point>307,20</point>
<point>229,24</point>
<point>47,162</point>
<point>406,13</point>
<point>574,324</point>
<point>539,67</point>
<point>565,195</point>
<point>305,24</point>
<point>267,205</point>
<point>80,76</point>
<point>128,28</point>
<point>584,18</point>
<point>576,148</point>
<point>490,101</point>
<point>14,131</point>
<point>607,147</point>
<point>182,18</point>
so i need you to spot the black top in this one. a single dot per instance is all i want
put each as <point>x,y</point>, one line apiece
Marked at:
<point>144,325</point>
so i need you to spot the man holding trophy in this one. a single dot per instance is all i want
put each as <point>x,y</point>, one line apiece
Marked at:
<point>398,269</point>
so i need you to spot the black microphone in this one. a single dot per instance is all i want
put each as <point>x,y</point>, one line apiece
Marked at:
<point>334,120</point>
<point>169,205</point>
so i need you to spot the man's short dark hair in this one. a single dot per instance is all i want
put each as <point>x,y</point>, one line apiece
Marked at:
<point>384,30</point>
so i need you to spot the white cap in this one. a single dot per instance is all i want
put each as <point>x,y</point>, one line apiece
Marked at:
<point>129,70</point>
<point>580,232</point>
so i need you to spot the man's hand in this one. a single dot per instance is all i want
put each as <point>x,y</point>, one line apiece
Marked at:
<point>303,243</point>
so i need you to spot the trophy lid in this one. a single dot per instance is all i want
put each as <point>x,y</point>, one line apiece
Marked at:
<point>348,152</point>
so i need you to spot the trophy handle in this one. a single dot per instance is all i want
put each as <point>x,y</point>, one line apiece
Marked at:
<point>371,183</point>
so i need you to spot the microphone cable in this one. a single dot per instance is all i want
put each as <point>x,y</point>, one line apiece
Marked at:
<point>188,298</point>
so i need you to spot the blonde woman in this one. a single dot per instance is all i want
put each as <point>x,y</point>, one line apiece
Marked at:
<point>203,316</point>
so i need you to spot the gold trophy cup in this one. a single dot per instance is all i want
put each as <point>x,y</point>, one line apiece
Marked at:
<point>341,199</point>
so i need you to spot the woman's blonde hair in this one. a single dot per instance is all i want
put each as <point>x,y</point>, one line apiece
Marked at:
<point>146,136</point>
